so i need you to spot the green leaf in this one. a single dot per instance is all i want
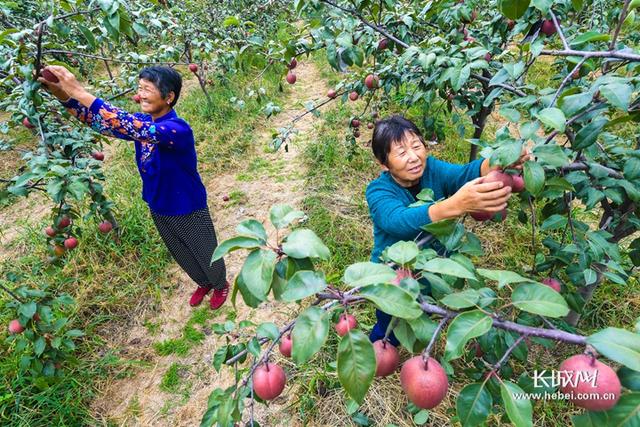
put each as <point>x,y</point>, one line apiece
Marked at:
<point>542,5</point>
<point>421,417</point>
<point>368,273</point>
<point>618,94</point>
<point>552,155</point>
<point>533,177</point>
<point>459,300</point>
<point>588,135</point>
<point>309,334</point>
<point>252,228</point>
<point>268,330</point>
<point>88,35</point>
<point>303,243</point>
<point>553,118</point>
<point>632,168</point>
<point>233,244</point>
<point>356,364</point>
<point>577,5</point>
<point>392,300</point>
<point>572,104</point>
<point>589,37</point>
<point>257,272</point>
<point>513,9</point>
<point>539,299</point>
<point>626,413</point>
<point>590,276</point>
<point>506,154</point>
<point>619,345</point>
<point>140,29</point>
<point>629,378</point>
<point>474,404</point>
<point>283,215</point>
<point>503,277</point>
<point>464,327</point>
<point>231,21</point>
<point>447,266</point>
<point>554,222</point>
<point>519,411</point>
<point>304,284</point>
<point>403,252</point>
<point>39,345</point>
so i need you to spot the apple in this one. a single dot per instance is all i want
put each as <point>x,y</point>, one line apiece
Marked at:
<point>105,227</point>
<point>387,358</point>
<point>353,96</point>
<point>355,123</point>
<point>71,243</point>
<point>15,327</point>
<point>64,222</point>
<point>332,94</point>
<point>600,394</point>
<point>98,155</point>
<point>293,64</point>
<point>49,76</point>
<point>291,77</point>
<point>268,381</point>
<point>50,231</point>
<point>518,183</point>
<point>345,324</point>
<point>136,98</point>
<point>548,28</point>
<point>425,383</point>
<point>285,346</point>
<point>26,123</point>
<point>552,283</point>
<point>382,44</point>
<point>371,81</point>
<point>193,68</point>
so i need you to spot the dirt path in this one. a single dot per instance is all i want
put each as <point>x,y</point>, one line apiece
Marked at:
<point>139,400</point>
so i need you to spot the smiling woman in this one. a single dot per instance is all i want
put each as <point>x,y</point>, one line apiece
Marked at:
<point>167,162</point>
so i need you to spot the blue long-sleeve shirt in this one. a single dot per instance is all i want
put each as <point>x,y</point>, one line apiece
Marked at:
<point>393,219</point>
<point>165,154</point>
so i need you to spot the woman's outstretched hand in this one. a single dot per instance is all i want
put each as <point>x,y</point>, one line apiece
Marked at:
<point>67,86</point>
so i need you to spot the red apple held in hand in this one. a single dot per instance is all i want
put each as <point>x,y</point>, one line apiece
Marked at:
<point>193,68</point>
<point>600,394</point>
<point>50,231</point>
<point>548,28</point>
<point>268,381</point>
<point>371,81</point>
<point>332,94</point>
<point>136,98</point>
<point>481,216</point>
<point>345,324</point>
<point>26,123</point>
<point>105,227</point>
<point>71,243</point>
<point>15,327</point>
<point>285,346</point>
<point>293,64</point>
<point>425,384</point>
<point>98,155</point>
<point>291,77</point>
<point>49,76</point>
<point>518,183</point>
<point>353,96</point>
<point>495,175</point>
<point>65,221</point>
<point>387,358</point>
<point>552,283</point>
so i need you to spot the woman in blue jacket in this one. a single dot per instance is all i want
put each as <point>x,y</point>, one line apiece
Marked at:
<point>401,152</point>
<point>166,159</point>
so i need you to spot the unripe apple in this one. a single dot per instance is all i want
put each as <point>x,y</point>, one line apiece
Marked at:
<point>136,98</point>
<point>98,155</point>
<point>291,77</point>
<point>105,227</point>
<point>387,358</point>
<point>15,327</point>
<point>345,324</point>
<point>50,231</point>
<point>268,381</point>
<point>59,250</point>
<point>425,384</point>
<point>193,68</point>
<point>65,221</point>
<point>353,96</point>
<point>71,243</point>
<point>293,64</point>
<point>552,283</point>
<point>371,81</point>
<point>26,123</point>
<point>285,346</point>
<point>49,76</point>
<point>598,395</point>
<point>518,183</point>
<point>548,28</point>
<point>332,94</point>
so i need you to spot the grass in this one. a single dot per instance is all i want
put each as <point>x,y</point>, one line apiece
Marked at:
<point>113,283</point>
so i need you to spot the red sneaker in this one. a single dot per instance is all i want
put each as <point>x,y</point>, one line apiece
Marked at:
<point>198,296</point>
<point>219,296</point>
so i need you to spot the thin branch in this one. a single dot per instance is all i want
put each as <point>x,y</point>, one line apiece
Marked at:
<point>507,353</point>
<point>608,54</point>
<point>623,15</point>
<point>104,58</point>
<point>560,33</point>
<point>10,292</point>
<point>581,166</point>
<point>434,338</point>
<point>71,14</point>
<point>574,119</point>
<point>502,85</point>
<point>566,80</point>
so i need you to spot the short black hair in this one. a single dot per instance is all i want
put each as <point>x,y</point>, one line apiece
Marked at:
<point>388,131</point>
<point>166,79</point>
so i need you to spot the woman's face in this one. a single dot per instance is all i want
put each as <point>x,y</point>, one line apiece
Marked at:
<point>151,101</point>
<point>406,160</point>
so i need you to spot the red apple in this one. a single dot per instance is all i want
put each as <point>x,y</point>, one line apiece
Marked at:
<point>291,77</point>
<point>345,324</point>
<point>481,216</point>
<point>98,155</point>
<point>268,381</point>
<point>136,98</point>
<point>26,123</point>
<point>387,358</point>
<point>548,28</point>
<point>225,198</point>
<point>552,283</point>
<point>371,81</point>
<point>49,76</point>
<point>495,175</point>
<point>293,64</point>
<point>105,227</point>
<point>382,44</point>
<point>285,346</point>
<point>65,221</point>
<point>355,123</point>
<point>71,243</point>
<point>598,394</point>
<point>518,183</point>
<point>15,327</point>
<point>425,384</point>
<point>353,96</point>
<point>370,125</point>
<point>510,24</point>
<point>193,68</point>
<point>487,57</point>
<point>332,94</point>
<point>50,231</point>
<point>356,133</point>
